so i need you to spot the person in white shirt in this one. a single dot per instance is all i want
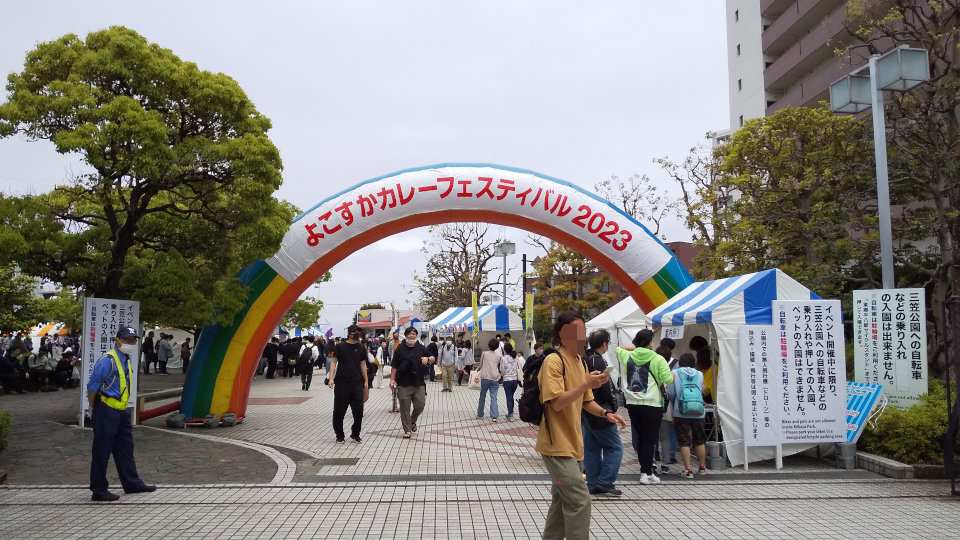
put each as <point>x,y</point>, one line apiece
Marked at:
<point>305,362</point>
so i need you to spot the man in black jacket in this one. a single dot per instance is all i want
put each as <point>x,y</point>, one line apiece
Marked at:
<point>602,447</point>
<point>409,365</point>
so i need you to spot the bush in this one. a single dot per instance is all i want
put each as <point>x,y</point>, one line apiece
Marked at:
<point>6,423</point>
<point>912,436</point>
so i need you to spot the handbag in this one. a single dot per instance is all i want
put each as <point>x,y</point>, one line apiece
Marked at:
<point>437,370</point>
<point>291,361</point>
<point>386,371</point>
<point>474,383</point>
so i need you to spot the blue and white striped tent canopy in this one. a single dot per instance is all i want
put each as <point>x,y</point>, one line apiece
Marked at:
<point>495,318</point>
<point>719,308</point>
<point>745,299</point>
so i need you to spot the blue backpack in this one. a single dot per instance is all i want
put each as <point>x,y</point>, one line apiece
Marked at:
<point>690,398</point>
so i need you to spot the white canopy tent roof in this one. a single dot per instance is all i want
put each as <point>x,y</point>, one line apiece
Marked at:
<point>623,320</point>
<point>723,306</point>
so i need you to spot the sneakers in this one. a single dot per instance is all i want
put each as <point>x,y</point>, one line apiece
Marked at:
<point>610,491</point>
<point>703,470</point>
<point>143,488</point>
<point>686,473</point>
<point>340,440</point>
<point>649,479</point>
<point>356,439</point>
<point>494,419</point>
<point>664,468</point>
<point>104,496</point>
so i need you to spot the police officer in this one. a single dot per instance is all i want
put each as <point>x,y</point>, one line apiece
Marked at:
<point>107,392</point>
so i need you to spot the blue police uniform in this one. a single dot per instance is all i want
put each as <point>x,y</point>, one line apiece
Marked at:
<point>112,432</point>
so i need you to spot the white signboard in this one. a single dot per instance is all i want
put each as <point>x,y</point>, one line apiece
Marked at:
<point>672,332</point>
<point>759,375</point>
<point>890,342</point>
<point>102,318</point>
<point>812,371</point>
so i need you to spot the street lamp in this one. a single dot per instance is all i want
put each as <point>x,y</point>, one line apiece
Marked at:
<point>898,70</point>
<point>505,248</point>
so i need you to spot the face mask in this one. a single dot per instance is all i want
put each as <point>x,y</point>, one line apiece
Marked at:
<point>538,351</point>
<point>128,348</point>
<point>411,342</point>
<point>449,344</point>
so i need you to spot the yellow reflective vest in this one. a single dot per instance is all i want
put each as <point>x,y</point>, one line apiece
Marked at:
<point>119,404</point>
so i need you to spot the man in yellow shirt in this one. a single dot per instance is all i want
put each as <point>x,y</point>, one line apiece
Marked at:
<point>565,389</point>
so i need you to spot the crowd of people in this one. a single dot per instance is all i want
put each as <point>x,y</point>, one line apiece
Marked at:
<point>54,365</point>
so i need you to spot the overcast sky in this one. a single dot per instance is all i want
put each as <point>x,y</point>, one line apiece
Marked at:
<point>575,90</point>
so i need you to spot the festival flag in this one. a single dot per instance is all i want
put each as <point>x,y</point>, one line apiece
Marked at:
<point>364,316</point>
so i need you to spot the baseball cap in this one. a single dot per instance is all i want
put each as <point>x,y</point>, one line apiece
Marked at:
<point>127,332</point>
<point>68,352</point>
<point>353,328</point>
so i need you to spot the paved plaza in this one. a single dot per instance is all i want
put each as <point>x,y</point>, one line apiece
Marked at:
<point>280,474</point>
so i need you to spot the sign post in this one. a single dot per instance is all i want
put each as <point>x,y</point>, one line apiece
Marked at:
<point>890,342</point>
<point>812,371</point>
<point>102,318</point>
<point>761,396</point>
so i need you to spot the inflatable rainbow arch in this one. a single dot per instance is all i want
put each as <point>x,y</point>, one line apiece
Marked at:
<point>225,358</point>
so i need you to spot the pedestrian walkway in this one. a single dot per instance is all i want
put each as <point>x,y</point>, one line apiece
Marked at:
<point>459,477</point>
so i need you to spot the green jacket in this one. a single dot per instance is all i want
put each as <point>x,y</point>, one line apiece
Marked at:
<point>633,366</point>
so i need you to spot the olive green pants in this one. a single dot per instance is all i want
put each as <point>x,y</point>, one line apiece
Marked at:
<point>569,513</point>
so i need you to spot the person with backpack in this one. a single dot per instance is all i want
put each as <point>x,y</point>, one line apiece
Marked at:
<point>686,392</point>
<point>643,372</point>
<point>602,446</point>
<point>667,451</point>
<point>565,388</point>
<point>305,360</point>
<point>410,362</point>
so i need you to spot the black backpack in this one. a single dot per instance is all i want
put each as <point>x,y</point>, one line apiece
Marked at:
<point>306,355</point>
<point>529,406</point>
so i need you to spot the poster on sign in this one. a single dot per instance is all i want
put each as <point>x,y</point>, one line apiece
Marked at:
<point>102,318</point>
<point>672,332</point>
<point>812,371</point>
<point>890,342</point>
<point>759,375</point>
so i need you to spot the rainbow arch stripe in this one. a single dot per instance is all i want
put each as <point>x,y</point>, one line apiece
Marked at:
<point>225,358</point>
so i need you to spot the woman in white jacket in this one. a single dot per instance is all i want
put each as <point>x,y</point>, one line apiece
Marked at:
<point>464,361</point>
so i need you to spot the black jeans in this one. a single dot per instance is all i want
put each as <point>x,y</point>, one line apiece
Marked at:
<point>271,367</point>
<point>345,394</point>
<point>646,422</point>
<point>306,375</point>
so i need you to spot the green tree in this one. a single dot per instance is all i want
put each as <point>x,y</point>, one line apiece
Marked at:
<point>788,191</point>
<point>20,307</point>
<point>566,280</point>
<point>64,307</point>
<point>302,314</point>
<point>923,138</point>
<point>366,307</point>
<point>179,192</point>
<point>458,256</point>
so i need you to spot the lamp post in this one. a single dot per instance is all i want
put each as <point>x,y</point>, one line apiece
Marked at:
<point>898,70</point>
<point>505,248</point>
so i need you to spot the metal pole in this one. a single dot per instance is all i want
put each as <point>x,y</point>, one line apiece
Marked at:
<point>504,277</point>
<point>883,187</point>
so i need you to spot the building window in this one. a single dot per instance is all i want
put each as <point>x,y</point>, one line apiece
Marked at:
<point>738,49</point>
<point>741,120</point>
<point>736,15</point>
<point>739,84</point>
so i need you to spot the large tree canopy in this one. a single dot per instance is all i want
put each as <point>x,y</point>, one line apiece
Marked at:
<point>178,196</point>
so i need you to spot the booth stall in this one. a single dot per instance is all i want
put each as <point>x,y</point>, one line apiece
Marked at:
<point>717,310</point>
<point>494,319</point>
<point>623,320</point>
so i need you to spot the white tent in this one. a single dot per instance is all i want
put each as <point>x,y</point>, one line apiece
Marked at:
<point>719,308</point>
<point>623,320</point>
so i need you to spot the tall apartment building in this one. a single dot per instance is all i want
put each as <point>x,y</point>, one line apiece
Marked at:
<point>781,53</point>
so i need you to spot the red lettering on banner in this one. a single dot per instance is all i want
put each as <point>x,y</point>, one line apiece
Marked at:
<point>345,212</point>
<point>523,196</point>
<point>537,197</point>
<point>366,202</point>
<point>560,207</point>
<point>505,186</point>
<point>404,200</point>
<point>325,217</point>
<point>486,188</point>
<point>314,237</point>
<point>421,189</point>
<point>448,179</point>
<point>383,198</point>
<point>464,192</point>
